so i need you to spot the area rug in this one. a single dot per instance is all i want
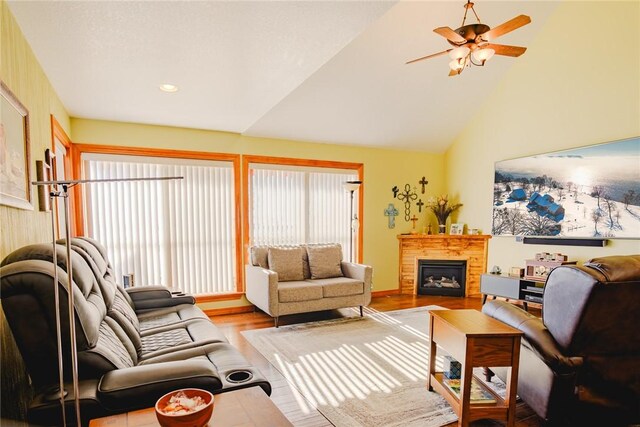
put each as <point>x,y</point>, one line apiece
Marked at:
<point>361,371</point>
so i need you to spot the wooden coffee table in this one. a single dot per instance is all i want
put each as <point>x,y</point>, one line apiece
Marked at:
<point>247,407</point>
<point>474,339</point>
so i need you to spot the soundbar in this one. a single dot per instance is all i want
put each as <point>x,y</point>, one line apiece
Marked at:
<point>564,241</point>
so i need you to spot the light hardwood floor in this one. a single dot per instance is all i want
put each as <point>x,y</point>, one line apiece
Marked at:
<point>289,400</point>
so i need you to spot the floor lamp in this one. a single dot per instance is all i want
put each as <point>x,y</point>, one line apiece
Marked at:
<point>352,186</point>
<point>60,188</point>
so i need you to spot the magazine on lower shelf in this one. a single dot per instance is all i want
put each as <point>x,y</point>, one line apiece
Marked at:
<point>478,394</point>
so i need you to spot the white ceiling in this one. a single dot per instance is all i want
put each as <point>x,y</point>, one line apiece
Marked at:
<point>317,71</point>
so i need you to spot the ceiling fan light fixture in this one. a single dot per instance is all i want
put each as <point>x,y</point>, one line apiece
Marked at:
<point>483,55</point>
<point>457,64</point>
<point>459,52</point>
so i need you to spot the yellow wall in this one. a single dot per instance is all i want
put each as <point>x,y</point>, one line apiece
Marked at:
<point>21,72</point>
<point>565,91</point>
<point>382,170</point>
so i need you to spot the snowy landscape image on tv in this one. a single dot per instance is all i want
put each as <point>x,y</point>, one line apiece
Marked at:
<point>584,192</point>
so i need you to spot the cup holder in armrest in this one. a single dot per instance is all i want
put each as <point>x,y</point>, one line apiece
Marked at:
<point>238,377</point>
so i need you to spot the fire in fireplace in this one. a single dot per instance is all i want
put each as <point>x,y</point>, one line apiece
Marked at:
<point>441,277</point>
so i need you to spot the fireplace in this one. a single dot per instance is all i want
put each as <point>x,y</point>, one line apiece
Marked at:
<point>441,277</point>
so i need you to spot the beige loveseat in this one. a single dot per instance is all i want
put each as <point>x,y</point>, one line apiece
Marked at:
<point>298,279</point>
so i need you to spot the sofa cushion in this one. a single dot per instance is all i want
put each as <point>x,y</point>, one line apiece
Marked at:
<point>259,256</point>
<point>298,291</point>
<point>339,286</point>
<point>287,262</point>
<point>324,261</point>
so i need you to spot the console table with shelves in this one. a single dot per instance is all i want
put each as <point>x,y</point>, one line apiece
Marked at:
<point>513,288</point>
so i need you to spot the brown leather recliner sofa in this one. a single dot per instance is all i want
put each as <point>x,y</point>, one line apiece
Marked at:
<point>133,345</point>
<point>580,363</point>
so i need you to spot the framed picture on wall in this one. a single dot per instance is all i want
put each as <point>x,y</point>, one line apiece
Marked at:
<point>15,188</point>
<point>456,229</point>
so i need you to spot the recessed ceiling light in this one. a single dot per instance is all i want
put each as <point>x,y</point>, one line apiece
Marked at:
<point>167,87</point>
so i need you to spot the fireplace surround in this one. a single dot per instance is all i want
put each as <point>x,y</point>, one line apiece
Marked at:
<point>470,248</point>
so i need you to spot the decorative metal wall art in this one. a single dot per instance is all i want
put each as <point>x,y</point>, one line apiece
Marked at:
<point>391,212</point>
<point>424,183</point>
<point>407,196</point>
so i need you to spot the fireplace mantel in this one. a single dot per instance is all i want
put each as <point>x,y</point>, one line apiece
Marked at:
<point>472,248</point>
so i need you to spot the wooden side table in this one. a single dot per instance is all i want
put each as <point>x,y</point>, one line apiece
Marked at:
<point>474,339</point>
<point>247,407</point>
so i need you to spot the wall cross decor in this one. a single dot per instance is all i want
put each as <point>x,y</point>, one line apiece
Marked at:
<point>391,212</point>
<point>420,204</point>
<point>414,219</point>
<point>395,190</point>
<point>424,183</point>
<point>407,196</point>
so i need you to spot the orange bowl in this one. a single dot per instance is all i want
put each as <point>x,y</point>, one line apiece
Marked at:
<point>197,418</point>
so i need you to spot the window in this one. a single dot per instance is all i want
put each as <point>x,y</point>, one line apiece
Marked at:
<point>293,204</point>
<point>180,234</point>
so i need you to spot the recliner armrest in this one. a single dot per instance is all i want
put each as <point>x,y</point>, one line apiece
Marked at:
<point>141,386</point>
<point>536,335</point>
<point>150,304</point>
<point>148,292</point>
<point>152,297</point>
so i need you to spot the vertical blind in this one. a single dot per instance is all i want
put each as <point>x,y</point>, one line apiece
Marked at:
<point>294,205</point>
<point>179,234</point>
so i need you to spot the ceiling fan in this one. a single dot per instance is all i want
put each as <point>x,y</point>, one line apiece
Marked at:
<point>471,42</point>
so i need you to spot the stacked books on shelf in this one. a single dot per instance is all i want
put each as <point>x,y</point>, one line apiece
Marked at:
<point>478,394</point>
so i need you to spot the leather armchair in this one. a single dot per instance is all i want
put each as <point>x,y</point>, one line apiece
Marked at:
<point>580,363</point>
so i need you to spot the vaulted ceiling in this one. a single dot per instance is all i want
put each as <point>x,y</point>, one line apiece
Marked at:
<point>318,71</point>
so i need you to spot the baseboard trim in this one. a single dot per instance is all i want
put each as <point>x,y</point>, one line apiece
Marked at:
<point>228,310</point>
<point>385,293</point>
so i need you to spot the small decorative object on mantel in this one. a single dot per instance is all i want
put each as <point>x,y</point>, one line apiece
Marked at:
<point>423,182</point>
<point>391,212</point>
<point>496,270</point>
<point>395,190</point>
<point>442,209</point>
<point>456,229</point>
<point>407,196</point>
<point>429,230</point>
<point>414,219</point>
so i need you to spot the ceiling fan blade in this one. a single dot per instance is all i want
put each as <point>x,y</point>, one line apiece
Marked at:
<point>506,50</point>
<point>449,34</point>
<point>433,55</point>
<point>513,24</point>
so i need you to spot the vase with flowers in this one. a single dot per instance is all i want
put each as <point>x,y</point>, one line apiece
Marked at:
<point>442,209</point>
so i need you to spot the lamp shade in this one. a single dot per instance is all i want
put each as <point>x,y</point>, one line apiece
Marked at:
<point>483,55</point>
<point>456,64</point>
<point>351,185</point>
<point>459,52</point>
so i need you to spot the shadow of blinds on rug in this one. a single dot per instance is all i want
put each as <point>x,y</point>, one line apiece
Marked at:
<point>180,236</point>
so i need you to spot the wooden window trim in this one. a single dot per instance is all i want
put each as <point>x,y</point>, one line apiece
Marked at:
<point>57,132</point>
<point>287,161</point>
<point>180,154</point>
